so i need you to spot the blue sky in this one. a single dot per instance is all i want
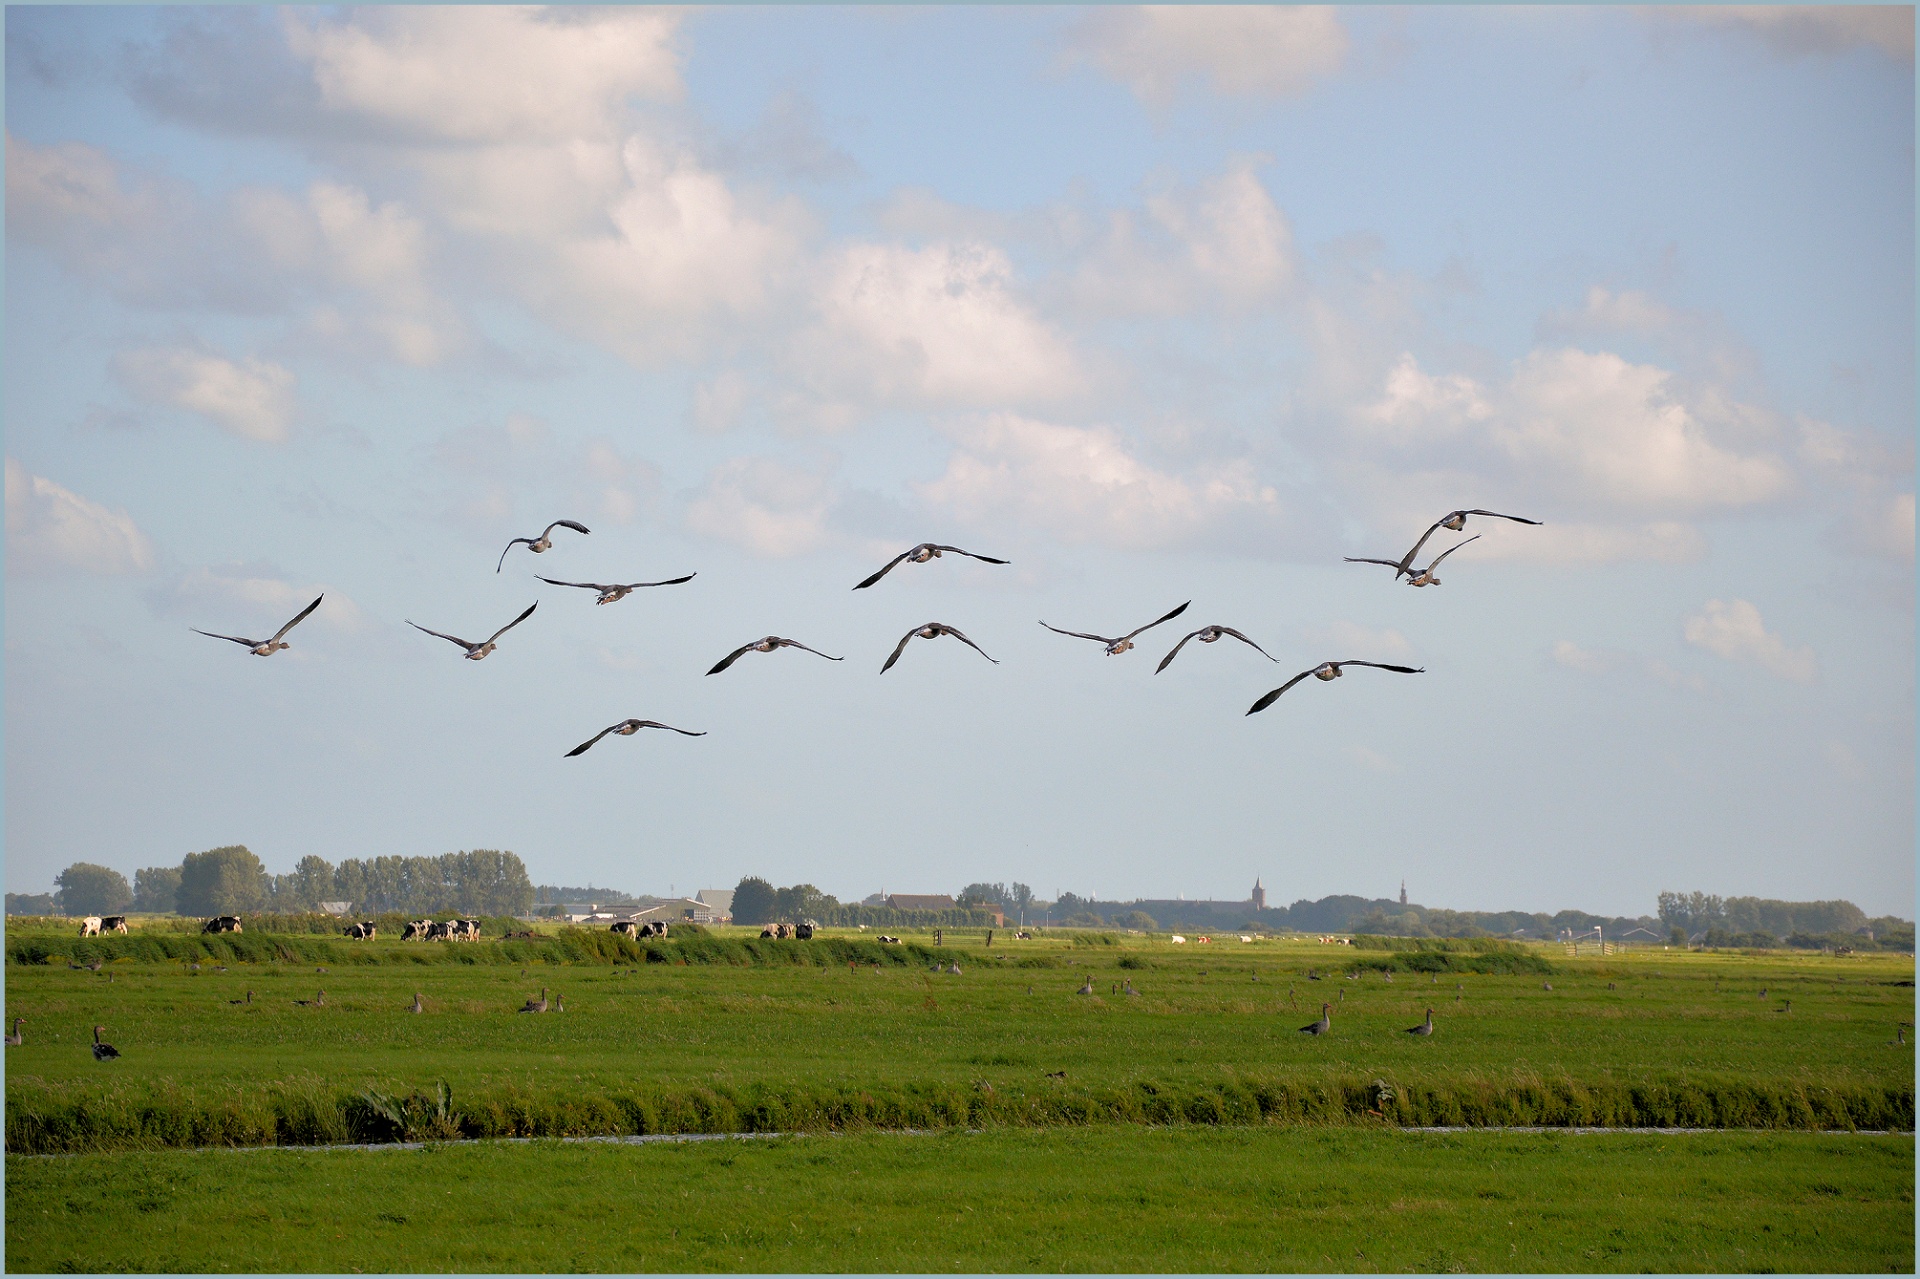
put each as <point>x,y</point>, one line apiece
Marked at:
<point>1158,304</point>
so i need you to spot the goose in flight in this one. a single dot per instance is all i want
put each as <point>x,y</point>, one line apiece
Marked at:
<point>1207,635</point>
<point>1329,671</point>
<point>766,645</point>
<point>1425,576</point>
<point>542,543</point>
<point>933,630</point>
<point>477,651</point>
<point>920,555</point>
<point>619,591</point>
<point>266,647</point>
<point>1115,647</point>
<point>627,728</point>
<point>1453,522</point>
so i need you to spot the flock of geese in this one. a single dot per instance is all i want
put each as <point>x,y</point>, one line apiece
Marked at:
<point>609,593</point>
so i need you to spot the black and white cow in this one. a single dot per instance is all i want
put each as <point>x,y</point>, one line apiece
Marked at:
<point>626,928</point>
<point>113,924</point>
<point>222,924</point>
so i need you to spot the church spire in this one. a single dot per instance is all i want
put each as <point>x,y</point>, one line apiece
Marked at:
<point>1403,892</point>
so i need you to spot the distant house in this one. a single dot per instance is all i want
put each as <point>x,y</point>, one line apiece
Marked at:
<point>719,901</point>
<point>684,910</point>
<point>334,908</point>
<point>919,901</point>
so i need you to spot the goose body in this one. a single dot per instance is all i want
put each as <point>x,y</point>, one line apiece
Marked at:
<point>1322,1026</point>
<point>1087,989</point>
<point>932,630</point>
<point>247,1000</point>
<point>13,1040</point>
<point>417,1006</point>
<point>627,728</point>
<point>1425,1027</point>
<point>1119,645</point>
<point>266,647</point>
<point>920,555</point>
<point>542,543</point>
<point>610,594</point>
<point>1453,522</point>
<point>536,1005</point>
<point>766,645</point>
<point>103,1051</point>
<point>1329,671</point>
<point>475,652</point>
<point>1425,577</point>
<point>1209,635</point>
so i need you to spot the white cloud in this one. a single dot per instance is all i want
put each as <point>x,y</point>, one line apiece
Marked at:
<point>764,505</point>
<point>252,399</point>
<point>1614,661</point>
<point>1570,544</point>
<point>1263,51</point>
<point>1733,629</point>
<point>1795,30</point>
<point>1866,475</point>
<point>1084,484</point>
<point>50,528</point>
<point>254,599</point>
<point>522,473</point>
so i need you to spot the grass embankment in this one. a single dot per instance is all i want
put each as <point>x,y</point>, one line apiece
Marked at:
<point>1117,1199</point>
<point>729,1033</point>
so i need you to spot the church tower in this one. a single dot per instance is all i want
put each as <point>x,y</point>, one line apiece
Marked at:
<point>1403,892</point>
<point>1259,896</point>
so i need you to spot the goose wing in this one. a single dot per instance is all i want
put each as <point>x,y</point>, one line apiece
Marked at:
<point>440,635</point>
<point>1150,625</point>
<point>1450,550</point>
<point>988,559</point>
<point>787,643</point>
<point>889,567</point>
<point>587,586</point>
<point>1406,560</point>
<point>1175,653</point>
<point>578,528</point>
<point>581,749</point>
<point>515,622</point>
<point>1517,519</point>
<point>654,723</point>
<point>1354,559</point>
<point>730,658</point>
<point>948,630</point>
<point>672,581</point>
<point>899,648</point>
<point>510,545</point>
<point>1078,634</point>
<point>1228,630</point>
<point>1385,666</point>
<point>1274,696</point>
<point>235,638</point>
<point>298,618</point>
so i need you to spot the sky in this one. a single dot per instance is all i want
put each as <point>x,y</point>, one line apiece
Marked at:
<point>1157,304</point>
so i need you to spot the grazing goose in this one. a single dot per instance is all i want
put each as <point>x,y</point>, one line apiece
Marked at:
<point>1425,1027</point>
<point>14,1040</point>
<point>1425,576</point>
<point>1453,522</point>
<point>318,1001</point>
<point>417,1007</point>
<point>477,651</point>
<point>627,728</point>
<point>613,594</point>
<point>932,630</point>
<point>265,647</point>
<point>1207,635</point>
<point>247,1000</point>
<point>920,555</point>
<point>103,1052</point>
<point>766,645</point>
<point>542,543</point>
<point>536,1005</point>
<point>1322,1026</point>
<point>1115,647</point>
<point>1329,671</point>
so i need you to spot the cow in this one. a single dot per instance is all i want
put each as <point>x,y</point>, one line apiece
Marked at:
<point>654,928</point>
<point>885,940</point>
<point>416,929</point>
<point>90,926</point>
<point>626,928</point>
<point>362,932</point>
<point>1177,940</point>
<point>1023,936</point>
<point>463,929</point>
<point>222,924</point>
<point>439,931</point>
<point>113,924</point>
<point>803,932</point>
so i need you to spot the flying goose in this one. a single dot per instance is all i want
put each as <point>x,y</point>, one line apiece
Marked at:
<point>627,728</point>
<point>1115,647</point>
<point>1425,576</point>
<point>920,555</point>
<point>14,1040</point>
<point>1207,635</point>
<point>266,647</point>
<point>1453,522</point>
<point>1322,1026</point>
<point>1425,1027</point>
<point>766,645</point>
<point>536,1005</point>
<point>1329,671</point>
<point>933,630</point>
<point>477,651</point>
<point>103,1052</point>
<point>542,543</point>
<point>613,594</point>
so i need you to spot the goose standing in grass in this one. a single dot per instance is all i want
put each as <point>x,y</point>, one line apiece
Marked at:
<point>619,591</point>
<point>542,543</point>
<point>247,1000</point>
<point>265,647</point>
<point>418,1007</point>
<point>1329,671</point>
<point>318,1001</point>
<point>101,1051</point>
<point>477,651</point>
<point>1425,576</point>
<point>766,645</point>
<point>14,1040</point>
<point>1208,635</point>
<point>1322,1026</point>
<point>559,1003</point>
<point>1087,989</point>
<point>627,728</point>
<point>1453,522</point>
<point>920,555</point>
<point>1425,1027</point>
<point>932,630</point>
<point>1115,647</point>
<point>536,1005</point>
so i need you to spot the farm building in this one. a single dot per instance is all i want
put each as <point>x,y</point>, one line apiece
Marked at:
<point>919,901</point>
<point>719,901</point>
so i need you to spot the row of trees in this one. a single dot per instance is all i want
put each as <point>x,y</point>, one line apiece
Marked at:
<point>232,881</point>
<point>755,901</point>
<point>1701,912</point>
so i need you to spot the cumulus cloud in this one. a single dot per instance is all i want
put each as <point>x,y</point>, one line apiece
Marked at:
<point>1615,661</point>
<point>765,505</point>
<point>230,598</point>
<point>1086,484</point>
<point>1733,629</point>
<point>50,528</point>
<point>1257,51</point>
<point>1573,544</point>
<point>252,399</point>
<point>1799,30</point>
<point>496,477</point>
<point>1864,476</point>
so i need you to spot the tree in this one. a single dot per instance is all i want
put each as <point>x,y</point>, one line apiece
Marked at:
<point>86,889</point>
<point>1691,911</point>
<point>1021,897</point>
<point>982,895</point>
<point>157,889</point>
<point>802,901</point>
<point>1139,919</point>
<point>312,883</point>
<point>754,901</point>
<point>221,881</point>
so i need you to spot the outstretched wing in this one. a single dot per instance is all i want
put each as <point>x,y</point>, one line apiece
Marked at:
<point>1404,670</point>
<point>787,643</point>
<point>235,638</point>
<point>1150,625</point>
<point>1351,559</point>
<point>515,622</point>
<point>439,635</point>
<point>1406,560</point>
<point>1517,519</point>
<point>1078,634</point>
<point>730,658</point>
<point>578,528</point>
<point>1274,696</point>
<point>582,747</point>
<point>1228,630</point>
<point>899,648</point>
<point>1175,653</point>
<point>948,630</point>
<point>672,581</point>
<point>654,723</point>
<point>887,569</point>
<point>510,545</point>
<point>296,621</point>
<point>588,586</point>
<point>988,559</point>
<point>1450,550</point>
